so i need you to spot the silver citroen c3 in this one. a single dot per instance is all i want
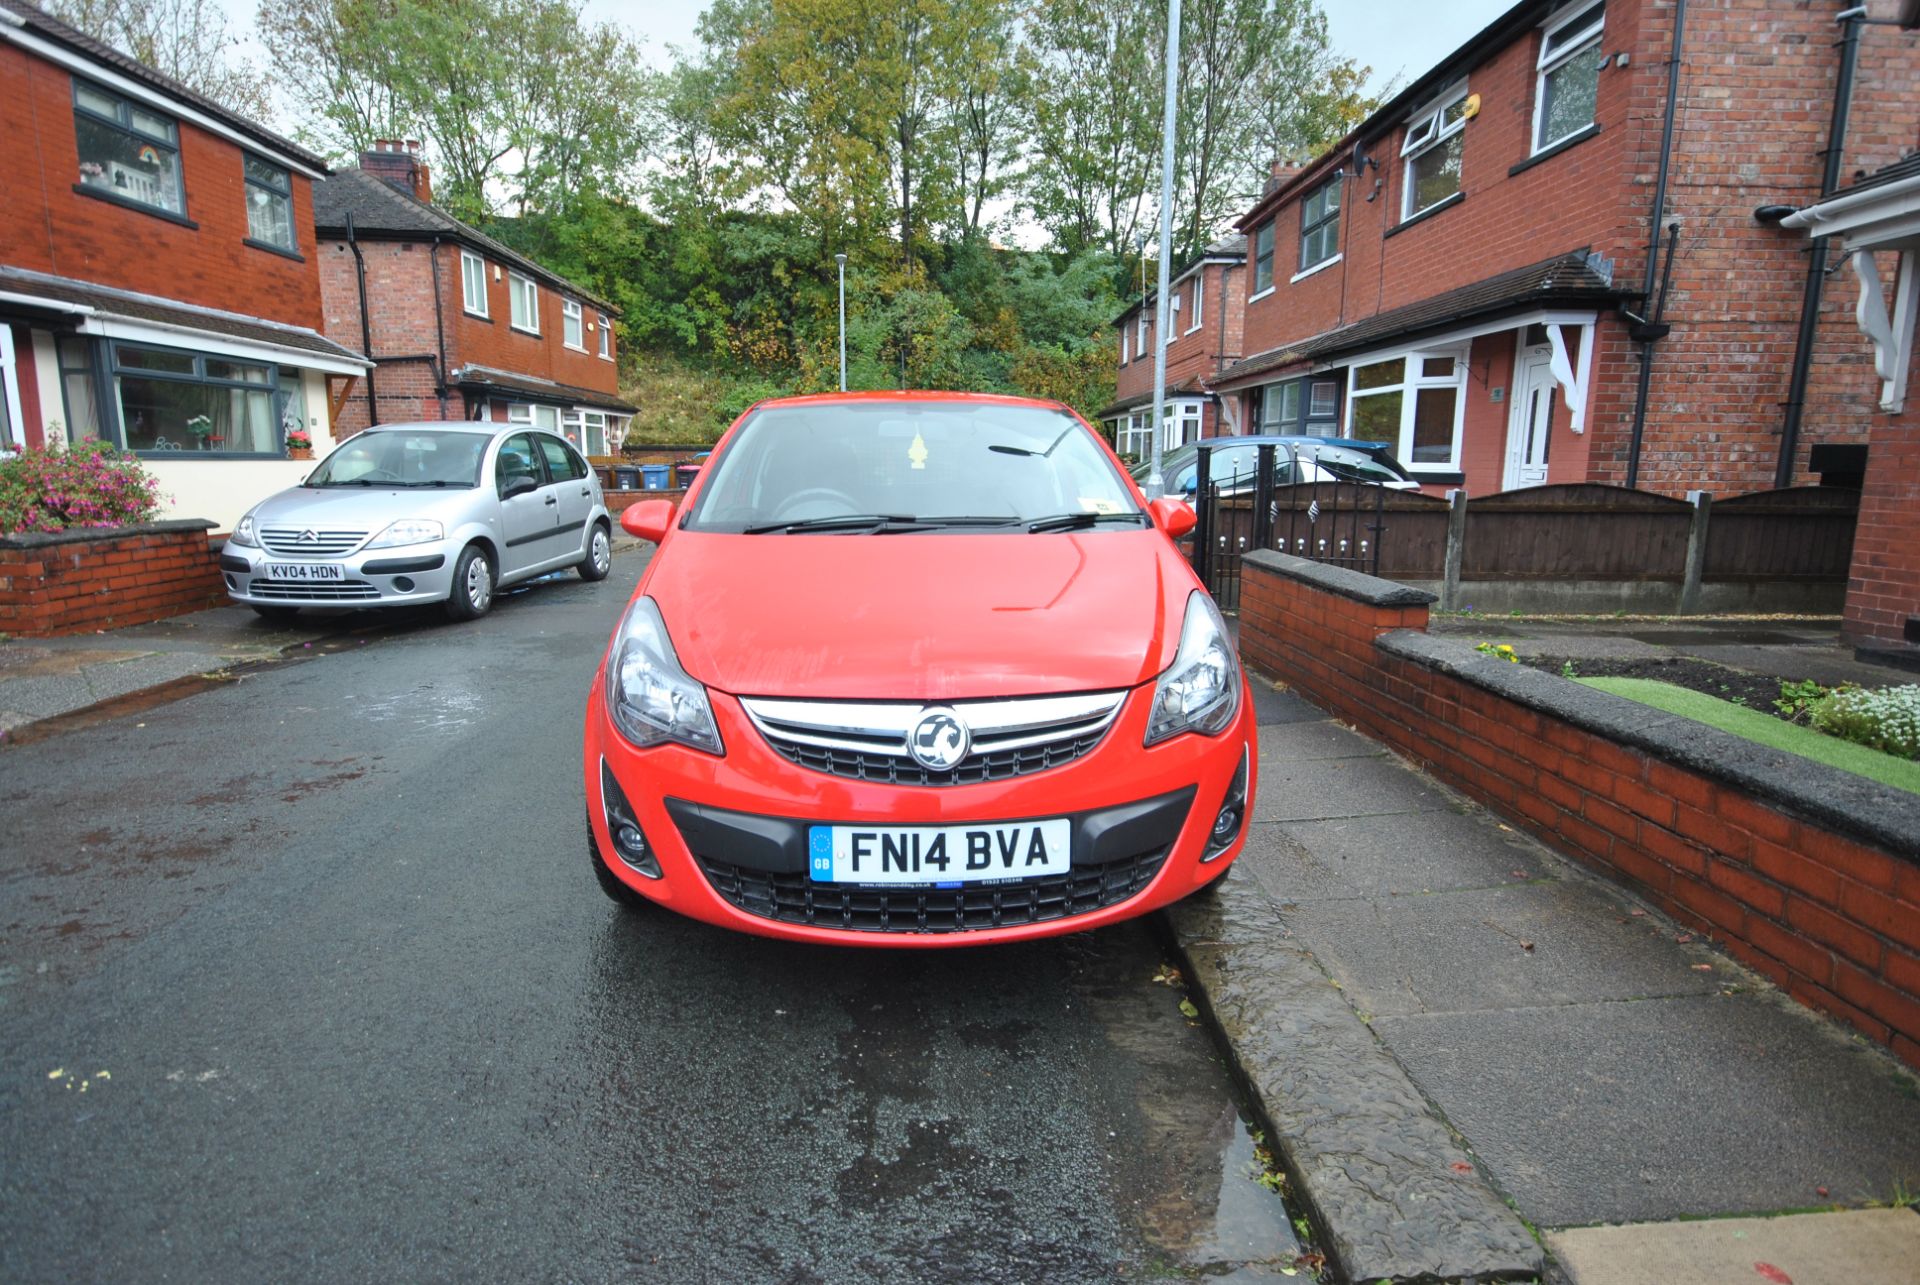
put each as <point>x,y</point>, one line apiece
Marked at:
<point>402,514</point>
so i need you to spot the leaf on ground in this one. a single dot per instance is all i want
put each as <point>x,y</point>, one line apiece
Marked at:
<point>1769,1272</point>
<point>1703,968</point>
<point>1461,1166</point>
<point>1168,975</point>
<point>1526,945</point>
<point>1638,914</point>
<point>1186,1006</point>
<point>1684,938</point>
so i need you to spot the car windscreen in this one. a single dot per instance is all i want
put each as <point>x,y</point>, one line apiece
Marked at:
<point>425,458</point>
<point>911,466</point>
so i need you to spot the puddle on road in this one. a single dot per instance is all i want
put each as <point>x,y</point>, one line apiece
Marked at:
<point>432,706</point>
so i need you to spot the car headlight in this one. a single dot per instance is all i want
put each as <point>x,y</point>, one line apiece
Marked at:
<point>408,531</point>
<point>243,533</point>
<point>651,699</point>
<point>1200,690</point>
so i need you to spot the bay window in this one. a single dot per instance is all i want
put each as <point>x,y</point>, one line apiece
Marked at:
<point>172,400</point>
<point>1414,403</point>
<point>269,205</point>
<point>547,417</point>
<point>127,153</point>
<point>1569,80</point>
<point>1435,143</point>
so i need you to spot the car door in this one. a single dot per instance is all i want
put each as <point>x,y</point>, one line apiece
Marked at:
<point>572,488</point>
<point>528,521</point>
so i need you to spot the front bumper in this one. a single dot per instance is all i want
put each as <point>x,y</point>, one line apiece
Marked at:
<point>729,835</point>
<point>390,577</point>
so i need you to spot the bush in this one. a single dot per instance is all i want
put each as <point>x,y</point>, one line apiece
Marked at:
<point>1887,720</point>
<point>92,485</point>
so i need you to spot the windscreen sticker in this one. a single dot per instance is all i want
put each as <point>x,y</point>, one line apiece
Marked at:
<point>1098,504</point>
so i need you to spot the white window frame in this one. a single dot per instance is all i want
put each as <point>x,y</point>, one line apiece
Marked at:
<point>473,271</point>
<point>1409,388</point>
<point>1579,42</point>
<point>606,336</point>
<point>1428,129</point>
<point>15,435</point>
<point>1124,351</point>
<point>1199,301</point>
<point>573,325</point>
<point>1140,334</point>
<point>515,285</point>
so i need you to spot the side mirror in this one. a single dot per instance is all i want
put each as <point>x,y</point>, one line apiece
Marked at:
<point>649,519</point>
<point>1172,515</point>
<point>520,485</point>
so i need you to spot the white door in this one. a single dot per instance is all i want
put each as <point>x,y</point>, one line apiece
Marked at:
<point>1530,422</point>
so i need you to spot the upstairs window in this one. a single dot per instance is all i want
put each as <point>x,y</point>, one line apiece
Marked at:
<point>473,283</point>
<point>1320,225</point>
<point>1140,334</point>
<point>127,152</point>
<point>1123,346</point>
<point>524,297</point>
<point>1569,75</point>
<point>606,336</point>
<point>1263,258</point>
<point>1435,142</point>
<point>1199,301</point>
<point>269,205</point>
<point>572,325</point>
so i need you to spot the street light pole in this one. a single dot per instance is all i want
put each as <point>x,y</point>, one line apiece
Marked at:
<point>1156,484</point>
<point>841,259</point>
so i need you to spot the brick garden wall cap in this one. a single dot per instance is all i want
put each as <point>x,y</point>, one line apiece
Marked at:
<point>81,535</point>
<point>1849,805</point>
<point>1357,585</point>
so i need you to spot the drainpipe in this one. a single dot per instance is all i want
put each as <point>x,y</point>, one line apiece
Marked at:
<point>1653,246</point>
<point>366,325</point>
<point>439,329</point>
<point>1817,250</point>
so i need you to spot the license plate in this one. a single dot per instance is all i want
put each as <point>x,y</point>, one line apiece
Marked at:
<point>939,856</point>
<point>303,571</point>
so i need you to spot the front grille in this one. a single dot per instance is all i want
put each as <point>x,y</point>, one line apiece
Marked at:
<point>333,591</point>
<point>867,741</point>
<point>797,899</point>
<point>309,542</point>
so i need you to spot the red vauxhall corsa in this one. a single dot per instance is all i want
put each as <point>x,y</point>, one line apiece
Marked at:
<point>916,669</point>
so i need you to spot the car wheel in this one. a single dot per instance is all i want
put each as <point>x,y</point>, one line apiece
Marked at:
<point>617,892</point>
<point>279,615</point>
<point>472,591</point>
<point>599,559</point>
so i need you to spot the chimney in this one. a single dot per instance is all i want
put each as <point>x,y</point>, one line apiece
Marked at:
<point>398,162</point>
<point>1282,173</point>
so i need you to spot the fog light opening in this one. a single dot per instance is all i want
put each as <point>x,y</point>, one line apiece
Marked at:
<point>403,584</point>
<point>629,840</point>
<point>232,583</point>
<point>1233,812</point>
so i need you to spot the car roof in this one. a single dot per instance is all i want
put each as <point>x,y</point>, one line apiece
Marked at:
<point>1262,439</point>
<point>446,426</point>
<point>909,395</point>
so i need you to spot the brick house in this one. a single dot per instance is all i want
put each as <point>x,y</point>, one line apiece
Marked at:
<point>462,327</point>
<point>158,287</point>
<point>1208,303</point>
<point>1471,274</point>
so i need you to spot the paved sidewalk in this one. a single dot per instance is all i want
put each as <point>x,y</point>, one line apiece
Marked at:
<point>1600,1063</point>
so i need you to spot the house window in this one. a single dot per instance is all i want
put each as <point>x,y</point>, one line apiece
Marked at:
<point>79,387</point>
<point>1280,407</point>
<point>570,426</point>
<point>1320,224</point>
<point>547,417</point>
<point>606,335</point>
<point>1435,142</point>
<point>1413,402</point>
<point>524,297</point>
<point>1323,400</point>
<point>1123,346</point>
<point>473,283</point>
<point>1135,439</point>
<point>171,400</point>
<point>572,323</point>
<point>593,425</point>
<point>1569,75</point>
<point>127,152</point>
<point>269,205</point>
<point>1199,302</point>
<point>1263,258</point>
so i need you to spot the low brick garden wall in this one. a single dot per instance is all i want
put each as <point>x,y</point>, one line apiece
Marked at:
<point>75,582</point>
<point>1809,875</point>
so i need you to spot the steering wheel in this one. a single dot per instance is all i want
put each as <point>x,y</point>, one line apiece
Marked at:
<point>814,494</point>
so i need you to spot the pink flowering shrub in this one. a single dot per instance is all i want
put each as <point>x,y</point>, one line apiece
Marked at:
<point>91,485</point>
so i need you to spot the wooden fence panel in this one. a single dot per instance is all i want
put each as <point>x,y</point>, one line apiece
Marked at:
<point>1581,531</point>
<point>1801,534</point>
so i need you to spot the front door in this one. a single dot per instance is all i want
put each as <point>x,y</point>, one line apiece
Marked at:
<point>1530,422</point>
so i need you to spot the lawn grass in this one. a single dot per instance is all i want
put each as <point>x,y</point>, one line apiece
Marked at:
<point>1765,729</point>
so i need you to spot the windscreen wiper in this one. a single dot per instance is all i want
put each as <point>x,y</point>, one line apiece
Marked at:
<point>840,522</point>
<point>1080,521</point>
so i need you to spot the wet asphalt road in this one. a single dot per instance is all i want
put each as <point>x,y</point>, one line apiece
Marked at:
<point>306,978</point>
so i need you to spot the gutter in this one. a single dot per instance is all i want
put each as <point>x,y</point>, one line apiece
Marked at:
<point>366,325</point>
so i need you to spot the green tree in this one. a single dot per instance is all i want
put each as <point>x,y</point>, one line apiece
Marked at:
<point>188,40</point>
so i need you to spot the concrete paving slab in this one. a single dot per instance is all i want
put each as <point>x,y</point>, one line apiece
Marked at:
<point>1272,705</point>
<point>1661,1108</point>
<point>1523,946</point>
<point>1848,1247</point>
<point>1294,789</point>
<point>1402,854</point>
<point>1322,740</point>
<point>58,693</point>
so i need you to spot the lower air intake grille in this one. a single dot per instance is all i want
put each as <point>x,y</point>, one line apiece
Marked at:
<point>335,591</point>
<point>796,899</point>
<point>895,770</point>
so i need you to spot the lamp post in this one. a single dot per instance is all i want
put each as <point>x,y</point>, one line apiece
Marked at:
<point>1156,484</point>
<point>841,259</point>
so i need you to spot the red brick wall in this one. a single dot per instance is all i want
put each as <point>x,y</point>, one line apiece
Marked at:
<point>400,312</point>
<point>74,588</point>
<point>1201,353</point>
<point>1834,922</point>
<point>46,226</point>
<point>1884,585</point>
<point>494,342</point>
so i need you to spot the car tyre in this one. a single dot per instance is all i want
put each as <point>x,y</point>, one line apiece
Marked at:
<point>473,583</point>
<point>617,892</point>
<point>279,615</point>
<point>599,560</point>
